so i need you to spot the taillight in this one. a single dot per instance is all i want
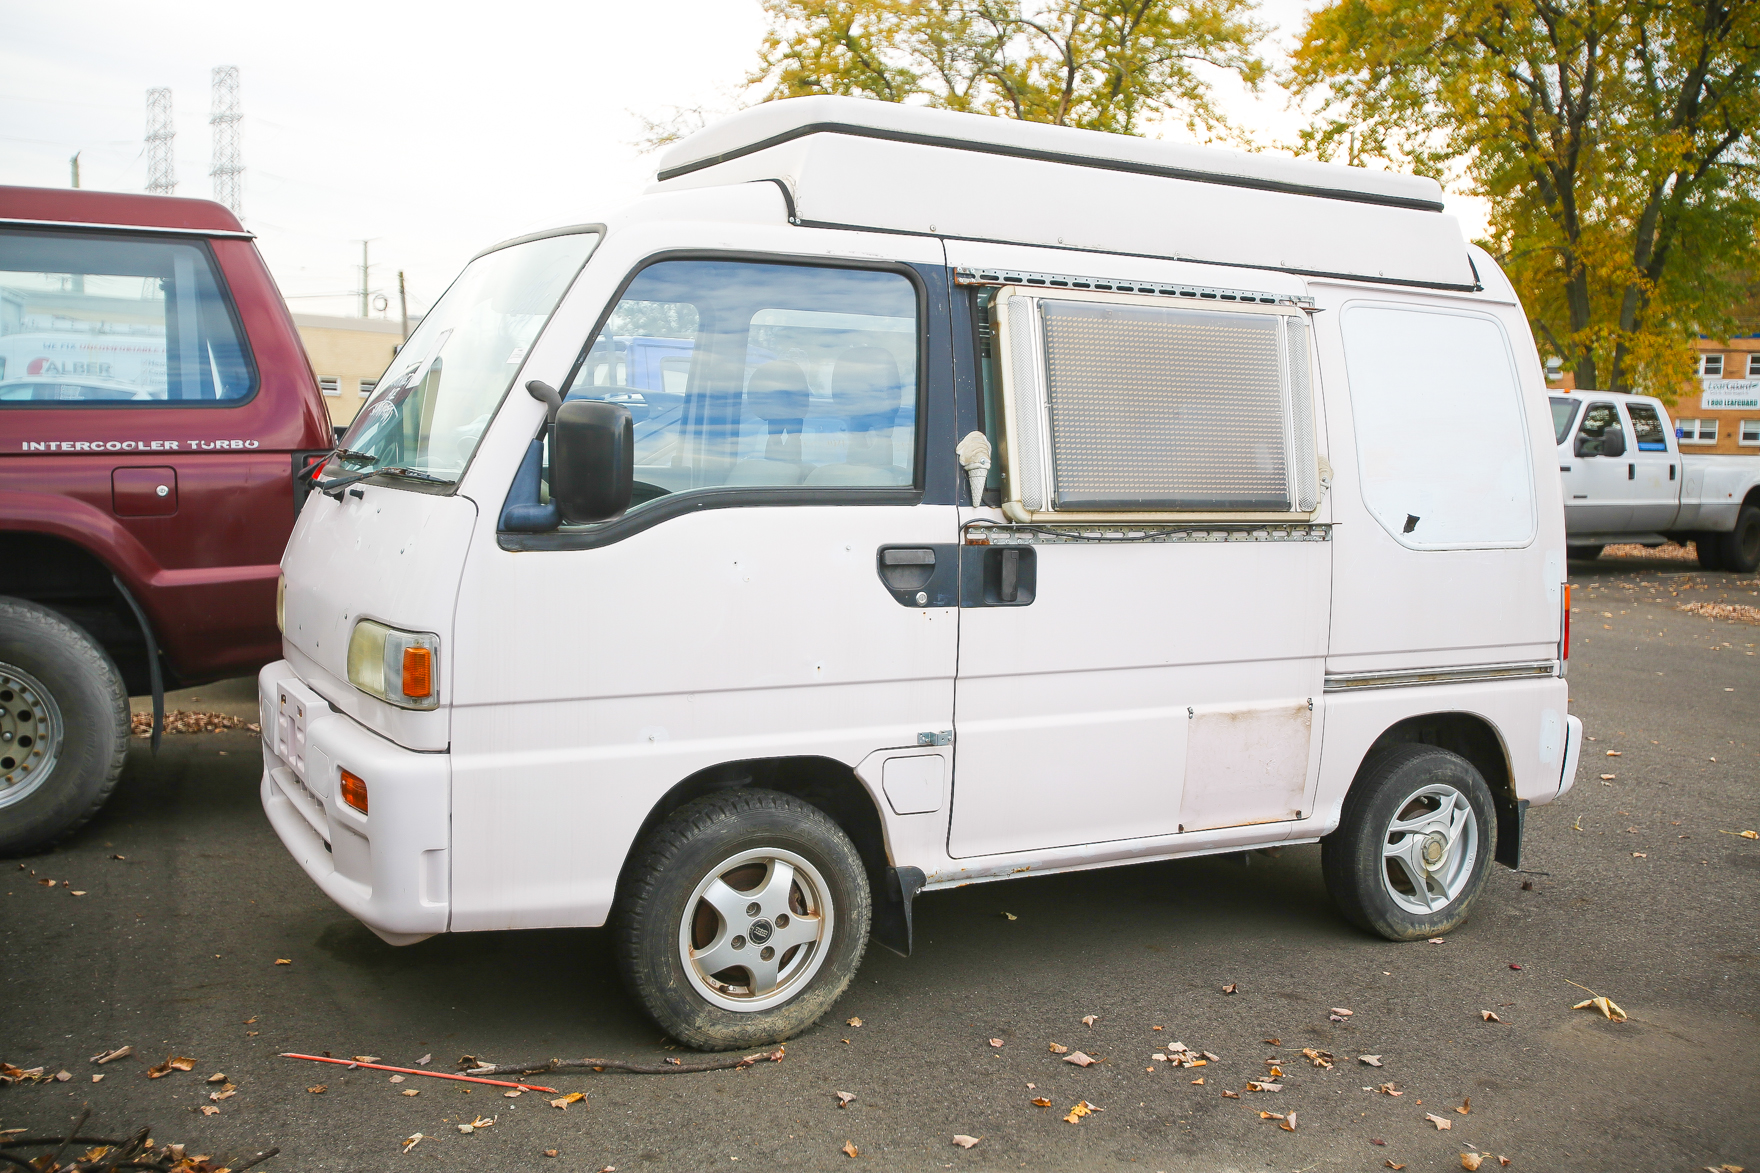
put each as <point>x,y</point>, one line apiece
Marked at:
<point>418,672</point>
<point>1566,653</point>
<point>354,792</point>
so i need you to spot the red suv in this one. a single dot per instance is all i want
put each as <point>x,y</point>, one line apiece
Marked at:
<point>156,409</point>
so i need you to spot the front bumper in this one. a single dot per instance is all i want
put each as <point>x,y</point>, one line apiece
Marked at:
<point>389,868</point>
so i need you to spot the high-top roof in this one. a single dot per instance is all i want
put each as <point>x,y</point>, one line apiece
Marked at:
<point>856,163</point>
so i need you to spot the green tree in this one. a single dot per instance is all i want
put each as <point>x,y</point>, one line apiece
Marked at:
<point>1614,140</point>
<point>1113,65</point>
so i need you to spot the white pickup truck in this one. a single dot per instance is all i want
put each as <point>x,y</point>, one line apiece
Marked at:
<point>1626,480</point>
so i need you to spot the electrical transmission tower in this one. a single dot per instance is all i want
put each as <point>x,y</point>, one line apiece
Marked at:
<point>227,171</point>
<point>161,162</point>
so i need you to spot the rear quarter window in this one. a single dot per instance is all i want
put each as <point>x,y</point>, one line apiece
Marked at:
<point>113,321</point>
<point>1442,442</point>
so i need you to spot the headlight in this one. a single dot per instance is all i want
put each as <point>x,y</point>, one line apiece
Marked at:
<point>397,666</point>
<point>281,603</point>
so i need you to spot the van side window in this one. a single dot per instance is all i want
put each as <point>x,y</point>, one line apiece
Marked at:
<point>1647,428</point>
<point>751,375</point>
<point>115,321</point>
<point>1442,441</point>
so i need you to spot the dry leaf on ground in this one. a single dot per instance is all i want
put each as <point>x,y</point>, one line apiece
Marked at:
<point>1081,1109</point>
<point>172,1063</point>
<point>410,1091</point>
<point>1011,916</point>
<point>1089,1020</point>
<point>850,1150</point>
<point>1443,1124</point>
<point>1437,940</point>
<point>104,1057</point>
<point>1391,1165</point>
<point>1387,1089</point>
<point>1231,987</point>
<point>318,1089</point>
<point>996,1042</point>
<point>217,1077</point>
<point>1343,1011</point>
<point>1289,1123</point>
<point>1471,1161</point>
<point>853,1021</point>
<point>225,1093</point>
<point>964,1141</point>
<point>1491,1016</point>
<point>564,1101</point>
<point>1228,1095</point>
<point>1079,1059</point>
<point>844,1098</point>
<point>1317,1058</point>
<point>1371,1060</point>
<point>1271,1115</point>
<point>424,1060</point>
<point>1466,1106</point>
<point>1059,1049</point>
<point>1609,1009</point>
<point>410,1142</point>
<point>1263,1086</point>
<point>1041,1102</point>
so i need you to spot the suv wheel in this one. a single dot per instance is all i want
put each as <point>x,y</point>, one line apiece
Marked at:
<point>1740,548</point>
<point>63,726</point>
<point>1414,843</point>
<point>744,917</point>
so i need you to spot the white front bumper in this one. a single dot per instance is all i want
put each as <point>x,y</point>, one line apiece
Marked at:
<point>389,868</point>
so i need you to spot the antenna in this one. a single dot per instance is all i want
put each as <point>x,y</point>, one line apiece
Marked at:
<point>161,161</point>
<point>227,171</point>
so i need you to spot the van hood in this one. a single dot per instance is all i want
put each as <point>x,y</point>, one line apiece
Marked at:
<point>383,553</point>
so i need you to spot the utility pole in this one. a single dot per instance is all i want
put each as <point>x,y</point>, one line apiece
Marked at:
<point>161,161</point>
<point>225,115</point>
<point>403,304</point>
<point>364,268</point>
<point>74,163</point>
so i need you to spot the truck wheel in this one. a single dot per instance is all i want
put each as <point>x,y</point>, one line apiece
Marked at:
<point>1740,547</point>
<point>1582,553</point>
<point>744,917</point>
<point>1709,547</point>
<point>63,726</point>
<point>1415,841</point>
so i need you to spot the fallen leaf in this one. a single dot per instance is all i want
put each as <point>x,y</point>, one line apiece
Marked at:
<point>97,1079</point>
<point>1079,1059</point>
<point>855,1021</point>
<point>173,1063</point>
<point>410,1091</point>
<point>1387,1089</point>
<point>1271,1115</point>
<point>1513,965</point>
<point>1089,1020</point>
<point>1209,1057</point>
<point>1391,1165</point>
<point>1228,1095</point>
<point>104,1057</point>
<point>564,1101</point>
<point>511,1094</point>
<point>996,1042</point>
<point>1198,1080</point>
<point>1613,753</point>
<point>1273,1042</point>
<point>550,1152</point>
<point>964,1141</point>
<point>1011,916</point>
<point>1748,835</point>
<point>210,1110</point>
<point>284,961</point>
<point>217,1077</point>
<point>422,1062</point>
<point>1609,1009</point>
<point>1471,1160</point>
<point>1263,1086</point>
<point>844,1098</point>
<point>1231,987</point>
<point>225,1094</point>
<point>850,1150</point>
<point>1343,1011</point>
<point>1466,1106</point>
<point>1609,777</point>
<point>78,893</point>
<point>1081,1109</point>
<point>119,857</point>
<point>411,1142</point>
<point>1437,940</point>
<point>396,1079</point>
<point>1041,1102</point>
<point>1639,855</point>
<point>365,1058</point>
<point>63,1076</point>
<point>1289,1123</point>
<point>1059,1049</point>
<point>1443,1124</point>
<point>318,1089</point>
<point>1491,1016</point>
<point>1371,1060</point>
<point>1377,1140</point>
<point>1317,1058</point>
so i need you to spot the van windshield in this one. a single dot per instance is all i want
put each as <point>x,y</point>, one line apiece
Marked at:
<point>430,407</point>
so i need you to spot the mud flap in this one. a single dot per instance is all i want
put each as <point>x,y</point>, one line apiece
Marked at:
<point>892,910</point>
<point>1511,820</point>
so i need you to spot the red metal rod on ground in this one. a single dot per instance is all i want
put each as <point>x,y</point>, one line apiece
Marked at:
<point>524,1087</point>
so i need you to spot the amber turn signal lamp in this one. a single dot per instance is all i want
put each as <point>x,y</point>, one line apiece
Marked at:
<point>1567,622</point>
<point>418,672</point>
<point>354,792</point>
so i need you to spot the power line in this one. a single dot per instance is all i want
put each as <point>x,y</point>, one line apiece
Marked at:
<point>161,159</point>
<point>225,115</point>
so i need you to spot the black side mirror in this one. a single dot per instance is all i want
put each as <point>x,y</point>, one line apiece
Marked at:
<point>1587,445</point>
<point>592,460</point>
<point>1614,443</point>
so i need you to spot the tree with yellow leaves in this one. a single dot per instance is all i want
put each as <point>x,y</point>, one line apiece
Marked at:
<point>1614,140</point>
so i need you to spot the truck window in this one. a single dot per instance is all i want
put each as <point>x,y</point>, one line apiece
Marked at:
<point>115,321</point>
<point>1598,421</point>
<point>1564,410</point>
<point>1442,442</point>
<point>751,375</point>
<point>1647,428</point>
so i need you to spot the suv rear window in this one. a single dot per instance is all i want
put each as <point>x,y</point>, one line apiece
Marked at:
<point>115,321</point>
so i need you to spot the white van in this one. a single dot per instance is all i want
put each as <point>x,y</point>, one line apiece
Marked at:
<point>891,500</point>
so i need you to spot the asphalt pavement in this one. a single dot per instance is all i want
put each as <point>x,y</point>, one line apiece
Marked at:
<point>1637,887</point>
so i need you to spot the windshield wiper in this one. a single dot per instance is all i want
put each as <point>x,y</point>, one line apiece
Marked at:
<point>334,488</point>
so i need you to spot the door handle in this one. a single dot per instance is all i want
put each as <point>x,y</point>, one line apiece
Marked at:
<point>920,576</point>
<point>998,576</point>
<point>1631,472</point>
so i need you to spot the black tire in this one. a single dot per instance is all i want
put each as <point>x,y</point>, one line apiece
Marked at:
<point>1352,860</point>
<point>1739,549</point>
<point>1710,551</point>
<point>1582,553</point>
<point>55,677</point>
<point>693,845</point>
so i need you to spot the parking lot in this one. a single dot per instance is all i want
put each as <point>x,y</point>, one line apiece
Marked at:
<point>169,916</point>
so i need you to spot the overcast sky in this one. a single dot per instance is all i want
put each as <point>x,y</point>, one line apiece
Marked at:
<point>431,129</point>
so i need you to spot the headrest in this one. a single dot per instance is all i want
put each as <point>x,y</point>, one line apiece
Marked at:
<point>864,382</point>
<point>778,391</point>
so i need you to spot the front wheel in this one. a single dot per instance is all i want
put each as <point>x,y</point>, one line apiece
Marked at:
<point>1739,550</point>
<point>63,726</point>
<point>744,917</point>
<point>1709,548</point>
<point>1413,845</point>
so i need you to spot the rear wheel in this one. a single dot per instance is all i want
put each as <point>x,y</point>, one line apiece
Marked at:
<point>744,918</point>
<point>1583,553</point>
<point>1740,548</point>
<point>63,726</point>
<point>1414,843</point>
